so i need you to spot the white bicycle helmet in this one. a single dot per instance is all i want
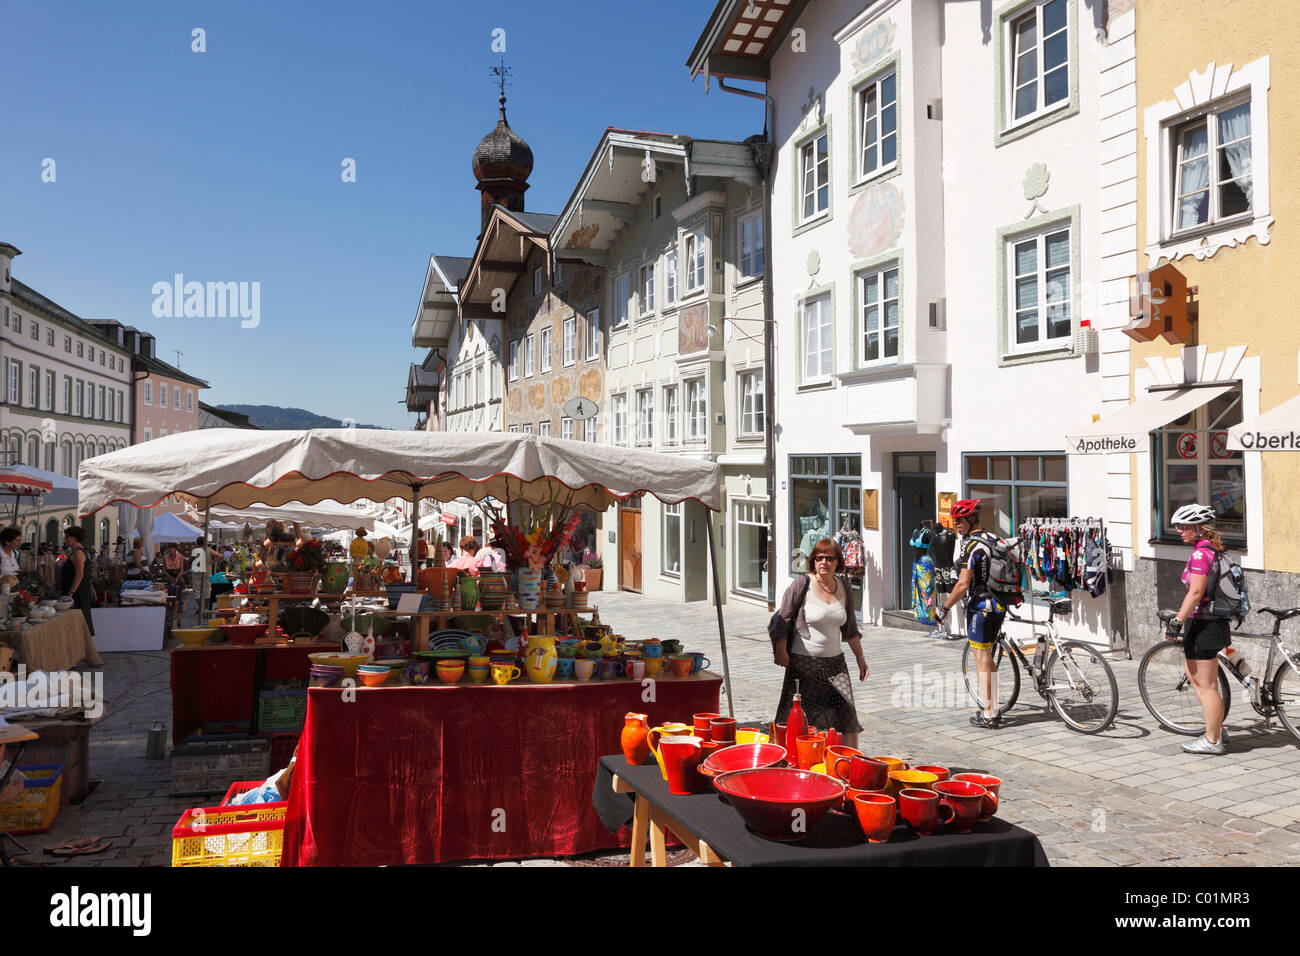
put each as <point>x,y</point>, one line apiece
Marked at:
<point>1192,514</point>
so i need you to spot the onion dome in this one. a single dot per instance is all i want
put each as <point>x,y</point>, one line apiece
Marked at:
<point>502,154</point>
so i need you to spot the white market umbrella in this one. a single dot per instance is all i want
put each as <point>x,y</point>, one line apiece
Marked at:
<point>167,529</point>
<point>323,514</point>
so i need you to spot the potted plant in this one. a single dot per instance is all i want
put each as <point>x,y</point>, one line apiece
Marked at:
<point>595,566</point>
<point>303,565</point>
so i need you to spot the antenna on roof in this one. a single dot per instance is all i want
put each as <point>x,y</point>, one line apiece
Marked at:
<point>179,353</point>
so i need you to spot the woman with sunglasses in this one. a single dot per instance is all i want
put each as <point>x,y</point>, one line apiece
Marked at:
<point>818,618</point>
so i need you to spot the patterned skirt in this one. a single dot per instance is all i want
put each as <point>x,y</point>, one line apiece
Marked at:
<point>825,692</point>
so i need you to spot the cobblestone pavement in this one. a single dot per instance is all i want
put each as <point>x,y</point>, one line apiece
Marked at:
<point>1128,796</point>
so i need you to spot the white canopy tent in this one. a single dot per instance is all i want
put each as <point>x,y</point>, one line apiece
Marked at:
<point>167,528</point>
<point>323,514</point>
<point>239,468</point>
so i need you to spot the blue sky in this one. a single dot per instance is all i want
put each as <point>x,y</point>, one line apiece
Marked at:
<point>226,165</point>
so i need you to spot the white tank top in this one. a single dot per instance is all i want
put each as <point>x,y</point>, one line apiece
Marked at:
<point>819,633</point>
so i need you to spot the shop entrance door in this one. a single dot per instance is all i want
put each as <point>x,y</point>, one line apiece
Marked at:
<point>629,548</point>
<point>914,502</point>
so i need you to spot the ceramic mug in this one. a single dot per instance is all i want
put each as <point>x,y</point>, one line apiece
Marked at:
<point>592,651</point>
<point>651,649</point>
<point>700,661</point>
<point>505,673</point>
<point>920,809</point>
<point>477,675</point>
<point>723,730</point>
<point>681,666</point>
<point>862,773</point>
<point>636,668</point>
<point>701,723</point>
<point>992,784</point>
<point>584,668</point>
<point>893,763</point>
<point>671,648</point>
<point>653,666</point>
<point>567,648</point>
<point>837,757</point>
<point>564,668</point>
<point>968,802</point>
<point>877,813</point>
<point>608,670</point>
<point>941,772</point>
<point>900,780</point>
<point>811,747</point>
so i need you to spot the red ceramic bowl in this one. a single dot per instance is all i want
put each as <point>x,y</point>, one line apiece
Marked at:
<point>743,757</point>
<point>242,633</point>
<point>767,799</point>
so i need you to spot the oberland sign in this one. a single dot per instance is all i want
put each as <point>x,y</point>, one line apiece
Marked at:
<point>1105,444</point>
<point>1258,441</point>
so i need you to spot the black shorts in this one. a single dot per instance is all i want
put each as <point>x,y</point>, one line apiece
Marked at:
<point>1203,639</point>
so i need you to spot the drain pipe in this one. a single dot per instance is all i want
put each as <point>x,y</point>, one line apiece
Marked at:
<point>769,337</point>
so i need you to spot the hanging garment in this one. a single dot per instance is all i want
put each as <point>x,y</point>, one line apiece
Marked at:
<point>850,543</point>
<point>1094,579</point>
<point>924,599</point>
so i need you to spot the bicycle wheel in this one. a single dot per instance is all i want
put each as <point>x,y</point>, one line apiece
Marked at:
<point>1286,695</point>
<point>1008,671</point>
<point>1081,687</point>
<point>1168,693</point>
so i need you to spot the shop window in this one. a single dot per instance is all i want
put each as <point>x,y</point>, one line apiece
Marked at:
<point>1193,464</point>
<point>672,543</point>
<point>825,500</point>
<point>749,556</point>
<point>1038,489</point>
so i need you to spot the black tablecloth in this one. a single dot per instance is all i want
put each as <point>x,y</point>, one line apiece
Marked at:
<point>836,840</point>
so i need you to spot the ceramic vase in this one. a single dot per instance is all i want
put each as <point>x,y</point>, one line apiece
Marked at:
<point>635,739</point>
<point>335,579</point>
<point>540,658</point>
<point>530,587</point>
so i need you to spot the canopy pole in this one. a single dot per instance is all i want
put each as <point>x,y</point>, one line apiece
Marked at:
<point>205,585</point>
<point>717,602</point>
<point>416,488</point>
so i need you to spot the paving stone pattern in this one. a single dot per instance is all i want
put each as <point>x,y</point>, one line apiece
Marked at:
<point>1128,796</point>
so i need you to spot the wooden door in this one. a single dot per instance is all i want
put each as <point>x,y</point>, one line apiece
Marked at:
<point>629,548</point>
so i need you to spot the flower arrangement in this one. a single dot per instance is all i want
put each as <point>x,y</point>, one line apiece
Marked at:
<point>20,603</point>
<point>310,557</point>
<point>593,561</point>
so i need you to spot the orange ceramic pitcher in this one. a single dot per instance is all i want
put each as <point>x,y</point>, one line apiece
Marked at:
<point>635,739</point>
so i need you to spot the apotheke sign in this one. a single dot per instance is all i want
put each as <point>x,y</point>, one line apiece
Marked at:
<point>1105,444</point>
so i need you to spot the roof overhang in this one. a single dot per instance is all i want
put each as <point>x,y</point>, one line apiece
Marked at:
<point>498,262</point>
<point>741,36</point>
<point>436,315</point>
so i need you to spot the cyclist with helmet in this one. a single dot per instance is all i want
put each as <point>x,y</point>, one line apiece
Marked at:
<point>1201,635</point>
<point>984,613</point>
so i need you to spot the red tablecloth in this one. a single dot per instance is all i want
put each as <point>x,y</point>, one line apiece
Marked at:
<point>433,774</point>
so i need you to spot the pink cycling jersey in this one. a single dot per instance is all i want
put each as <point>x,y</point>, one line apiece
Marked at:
<point>1202,561</point>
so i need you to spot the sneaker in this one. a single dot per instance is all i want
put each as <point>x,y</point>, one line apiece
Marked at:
<point>986,723</point>
<point>1203,746</point>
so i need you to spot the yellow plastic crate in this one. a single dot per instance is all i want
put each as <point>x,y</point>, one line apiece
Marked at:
<point>251,835</point>
<point>34,810</point>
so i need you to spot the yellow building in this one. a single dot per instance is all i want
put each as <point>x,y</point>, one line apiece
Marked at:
<point>1213,344</point>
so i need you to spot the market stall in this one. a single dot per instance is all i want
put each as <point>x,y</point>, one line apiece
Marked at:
<point>55,644</point>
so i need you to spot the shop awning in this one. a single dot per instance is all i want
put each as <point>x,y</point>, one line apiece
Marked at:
<point>1278,429</point>
<point>1127,430</point>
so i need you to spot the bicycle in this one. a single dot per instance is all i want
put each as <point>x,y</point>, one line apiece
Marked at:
<point>1069,675</point>
<point>1168,693</point>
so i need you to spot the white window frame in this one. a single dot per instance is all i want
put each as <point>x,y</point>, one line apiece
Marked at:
<point>528,428</point>
<point>672,513</point>
<point>670,277</point>
<point>566,428</point>
<point>15,383</point>
<point>618,419</point>
<point>695,254</point>
<point>593,334</point>
<point>79,397</point>
<point>51,386</point>
<point>529,356</point>
<point>544,428</point>
<point>1039,236</point>
<point>569,340</point>
<point>589,430</point>
<point>646,289</point>
<point>622,300</point>
<point>189,399</point>
<point>148,433</point>
<point>544,344</point>
<point>696,414</point>
<point>749,514</point>
<point>865,145</point>
<point>162,395</point>
<point>751,401</point>
<point>820,177</point>
<point>645,417</point>
<point>33,387</point>
<point>877,278</point>
<point>1209,119</point>
<point>816,303</point>
<point>1012,71</point>
<point>102,395</point>
<point>672,414</point>
<point>67,394</point>
<point>514,360</point>
<point>750,263</point>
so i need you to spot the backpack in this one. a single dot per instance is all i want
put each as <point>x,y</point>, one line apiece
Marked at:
<point>1228,597</point>
<point>1006,568</point>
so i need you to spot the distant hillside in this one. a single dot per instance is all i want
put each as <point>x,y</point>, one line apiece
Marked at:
<point>286,419</point>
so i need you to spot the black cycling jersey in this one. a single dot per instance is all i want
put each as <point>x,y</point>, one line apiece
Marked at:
<point>976,555</point>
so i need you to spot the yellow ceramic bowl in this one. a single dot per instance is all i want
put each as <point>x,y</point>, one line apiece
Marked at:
<point>818,768</point>
<point>193,636</point>
<point>911,779</point>
<point>349,662</point>
<point>751,737</point>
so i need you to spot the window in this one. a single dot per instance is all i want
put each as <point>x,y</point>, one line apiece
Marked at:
<point>1219,144</point>
<point>825,496</point>
<point>49,340</point>
<point>647,287</point>
<point>514,361</point>
<point>121,406</point>
<point>1201,468</point>
<point>645,417</point>
<point>81,349</point>
<point>148,433</point>
<point>622,294</point>
<point>694,261</point>
<point>102,357</point>
<point>18,322</point>
<point>49,391</point>
<point>672,414</point>
<point>569,340</point>
<point>589,430</point>
<point>148,392</point>
<point>566,427</point>
<point>80,395</point>
<point>658,207</point>
<point>696,411</point>
<point>1016,487</point>
<point>593,334</point>
<point>818,340</point>
<point>672,545</point>
<point>537,281</point>
<point>814,177</point>
<point>878,125</point>
<point>67,395</point>
<point>33,387</point>
<point>1040,58</point>
<point>478,385</point>
<point>162,395</point>
<point>752,399</point>
<point>749,233</point>
<point>103,411</point>
<point>36,333</point>
<point>670,277</point>
<point>34,452</point>
<point>67,344</point>
<point>513,429</point>
<point>90,399</point>
<point>528,429</point>
<point>528,355</point>
<point>90,354</point>
<point>749,574</point>
<point>559,273</point>
<point>1040,293</point>
<point>620,419</point>
<point>546,350</point>
<point>189,399</point>
<point>878,293</point>
<point>176,397</point>
<point>544,428</point>
<point>15,383</point>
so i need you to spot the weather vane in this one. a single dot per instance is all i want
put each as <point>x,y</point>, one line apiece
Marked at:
<point>502,74</point>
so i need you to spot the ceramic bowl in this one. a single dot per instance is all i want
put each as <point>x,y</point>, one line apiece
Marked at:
<point>193,636</point>
<point>766,799</point>
<point>743,757</point>
<point>371,679</point>
<point>348,662</point>
<point>450,671</point>
<point>242,633</point>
